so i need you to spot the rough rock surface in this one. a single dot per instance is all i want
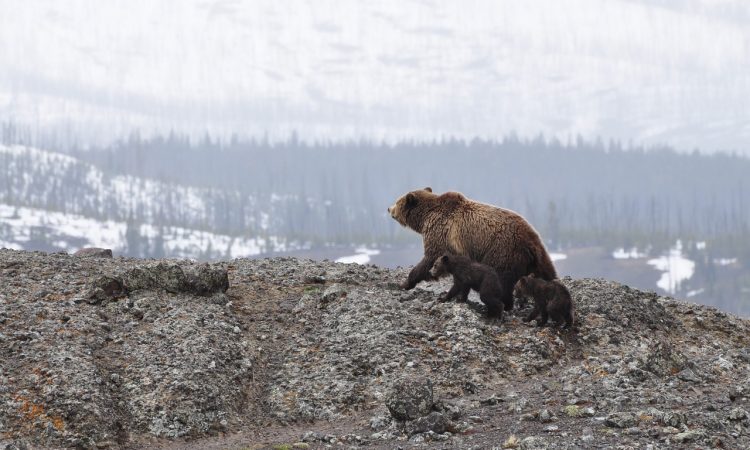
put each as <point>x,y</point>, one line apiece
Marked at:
<point>141,353</point>
<point>410,399</point>
<point>94,252</point>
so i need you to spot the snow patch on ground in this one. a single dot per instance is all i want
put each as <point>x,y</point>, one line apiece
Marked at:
<point>362,256</point>
<point>675,267</point>
<point>558,256</point>
<point>725,261</point>
<point>632,253</point>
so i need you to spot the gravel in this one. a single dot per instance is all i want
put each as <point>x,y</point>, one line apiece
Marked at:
<point>120,353</point>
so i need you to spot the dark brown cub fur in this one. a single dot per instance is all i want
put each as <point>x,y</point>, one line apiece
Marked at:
<point>551,299</point>
<point>468,275</point>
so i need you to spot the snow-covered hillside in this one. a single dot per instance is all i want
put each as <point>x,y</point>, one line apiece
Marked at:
<point>23,228</point>
<point>50,201</point>
<point>54,181</point>
<point>647,71</point>
<point>42,178</point>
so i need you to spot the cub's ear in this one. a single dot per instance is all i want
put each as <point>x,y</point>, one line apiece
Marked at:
<point>428,189</point>
<point>411,199</point>
<point>531,275</point>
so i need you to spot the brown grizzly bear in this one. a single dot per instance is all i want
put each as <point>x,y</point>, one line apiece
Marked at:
<point>468,275</point>
<point>551,298</point>
<point>497,237</point>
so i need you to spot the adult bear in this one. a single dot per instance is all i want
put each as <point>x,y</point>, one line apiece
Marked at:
<point>452,223</point>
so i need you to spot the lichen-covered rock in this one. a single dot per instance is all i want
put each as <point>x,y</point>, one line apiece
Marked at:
<point>334,292</point>
<point>534,443</point>
<point>202,280</point>
<point>93,252</point>
<point>104,288</point>
<point>620,420</point>
<point>206,280</point>
<point>410,399</point>
<point>193,351</point>
<point>689,436</point>
<point>434,421</point>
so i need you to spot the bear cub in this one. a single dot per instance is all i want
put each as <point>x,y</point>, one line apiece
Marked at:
<point>551,299</point>
<point>467,275</point>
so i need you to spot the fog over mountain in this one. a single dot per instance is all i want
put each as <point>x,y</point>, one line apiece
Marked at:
<point>647,72</point>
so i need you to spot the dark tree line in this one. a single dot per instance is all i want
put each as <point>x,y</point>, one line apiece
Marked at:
<point>575,193</point>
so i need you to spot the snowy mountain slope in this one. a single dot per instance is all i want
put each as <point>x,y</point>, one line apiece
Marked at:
<point>59,182</point>
<point>23,228</point>
<point>53,201</point>
<point>647,71</point>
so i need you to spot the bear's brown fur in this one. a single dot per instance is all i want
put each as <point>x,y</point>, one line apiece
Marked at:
<point>468,275</point>
<point>497,237</point>
<point>551,299</point>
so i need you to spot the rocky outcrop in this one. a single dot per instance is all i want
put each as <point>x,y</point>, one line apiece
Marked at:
<point>123,352</point>
<point>93,252</point>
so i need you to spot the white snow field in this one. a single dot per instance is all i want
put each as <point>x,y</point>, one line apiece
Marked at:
<point>675,269</point>
<point>362,256</point>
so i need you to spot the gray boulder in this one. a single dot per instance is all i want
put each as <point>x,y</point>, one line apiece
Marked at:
<point>410,399</point>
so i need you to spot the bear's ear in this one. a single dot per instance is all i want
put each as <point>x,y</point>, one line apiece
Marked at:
<point>531,275</point>
<point>411,199</point>
<point>428,189</point>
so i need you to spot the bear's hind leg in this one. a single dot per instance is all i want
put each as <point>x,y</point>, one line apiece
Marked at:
<point>507,283</point>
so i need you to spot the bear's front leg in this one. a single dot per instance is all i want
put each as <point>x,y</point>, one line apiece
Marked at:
<point>532,315</point>
<point>420,272</point>
<point>543,319</point>
<point>454,290</point>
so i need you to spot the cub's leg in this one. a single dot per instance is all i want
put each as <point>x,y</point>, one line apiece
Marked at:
<point>493,303</point>
<point>464,297</point>
<point>533,314</point>
<point>543,319</point>
<point>456,289</point>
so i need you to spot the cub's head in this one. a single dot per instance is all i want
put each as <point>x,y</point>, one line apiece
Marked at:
<point>524,286</point>
<point>441,267</point>
<point>407,210</point>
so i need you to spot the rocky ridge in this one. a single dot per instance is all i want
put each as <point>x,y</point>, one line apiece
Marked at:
<point>126,353</point>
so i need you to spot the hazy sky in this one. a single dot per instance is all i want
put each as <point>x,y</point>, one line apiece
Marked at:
<point>642,71</point>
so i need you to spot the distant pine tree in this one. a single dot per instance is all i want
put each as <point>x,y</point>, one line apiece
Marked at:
<point>133,238</point>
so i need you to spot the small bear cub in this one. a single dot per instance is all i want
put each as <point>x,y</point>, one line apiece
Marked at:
<point>467,275</point>
<point>551,299</point>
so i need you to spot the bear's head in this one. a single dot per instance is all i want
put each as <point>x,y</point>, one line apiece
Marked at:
<point>441,267</point>
<point>409,210</point>
<point>524,286</point>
